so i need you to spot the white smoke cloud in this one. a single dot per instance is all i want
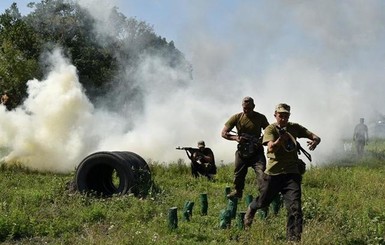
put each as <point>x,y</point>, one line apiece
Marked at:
<point>100,11</point>
<point>324,58</point>
<point>48,131</point>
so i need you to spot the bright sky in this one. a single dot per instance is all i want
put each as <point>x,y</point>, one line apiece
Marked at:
<point>165,16</point>
<point>22,5</point>
<point>168,17</point>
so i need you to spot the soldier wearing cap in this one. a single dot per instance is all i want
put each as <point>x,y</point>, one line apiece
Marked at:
<point>248,154</point>
<point>203,162</point>
<point>283,170</point>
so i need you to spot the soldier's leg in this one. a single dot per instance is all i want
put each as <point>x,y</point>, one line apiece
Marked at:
<point>359,147</point>
<point>271,186</point>
<point>201,169</point>
<point>259,167</point>
<point>211,171</point>
<point>362,147</point>
<point>240,172</point>
<point>194,169</point>
<point>292,198</point>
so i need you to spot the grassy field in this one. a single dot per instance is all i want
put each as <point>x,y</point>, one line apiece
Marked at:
<point>343,203</point>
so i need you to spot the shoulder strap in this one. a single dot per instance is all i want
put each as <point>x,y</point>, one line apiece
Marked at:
<point>300,149</point>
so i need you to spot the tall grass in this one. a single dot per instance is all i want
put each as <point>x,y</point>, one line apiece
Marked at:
<point>342,204</point>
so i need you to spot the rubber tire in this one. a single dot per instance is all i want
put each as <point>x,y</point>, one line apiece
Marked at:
<point>95,174</point>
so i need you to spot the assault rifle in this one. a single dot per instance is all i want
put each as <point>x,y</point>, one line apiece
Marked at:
<point>189,151</point>
<point>293,144</point>
<point>248,145</point>
<point>187,148</point>
<point>257,141</point>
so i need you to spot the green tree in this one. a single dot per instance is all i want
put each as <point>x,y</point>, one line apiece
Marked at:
<point>64,24</point>
<point>102,59</point>
<point>19,52</point>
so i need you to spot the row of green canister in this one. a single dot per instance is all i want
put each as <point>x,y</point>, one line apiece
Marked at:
<point>226,214</point>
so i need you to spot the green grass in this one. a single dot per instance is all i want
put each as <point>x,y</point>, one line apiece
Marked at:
<point>342,204</point>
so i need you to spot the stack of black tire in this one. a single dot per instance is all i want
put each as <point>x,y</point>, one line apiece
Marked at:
<point>113,173</point>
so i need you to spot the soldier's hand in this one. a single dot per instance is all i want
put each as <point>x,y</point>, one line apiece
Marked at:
<point>198,156</point>
<point>312,144</point>
<point>240,139</point>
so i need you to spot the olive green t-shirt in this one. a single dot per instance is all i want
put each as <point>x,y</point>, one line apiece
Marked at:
<point>282,161</point>
<point>252,124</point>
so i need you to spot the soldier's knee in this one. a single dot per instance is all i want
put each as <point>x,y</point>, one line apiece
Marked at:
<point>295,208</point>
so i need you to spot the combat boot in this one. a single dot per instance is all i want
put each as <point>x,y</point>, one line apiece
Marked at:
<point>235,193</point>
<point>249,216</point>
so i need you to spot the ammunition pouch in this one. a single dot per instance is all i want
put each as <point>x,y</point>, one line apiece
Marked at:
<point>301,166</point>
<point>247,149</point>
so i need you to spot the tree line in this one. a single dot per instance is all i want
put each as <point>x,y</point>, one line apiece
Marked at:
<point>98,58</point>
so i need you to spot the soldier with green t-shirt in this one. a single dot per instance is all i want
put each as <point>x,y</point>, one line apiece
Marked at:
<point>250,153</point>
<point>283,170</point>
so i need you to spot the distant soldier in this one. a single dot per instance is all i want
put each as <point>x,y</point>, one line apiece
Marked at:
<point>202,160</point>
<point>5,100</point>
<point>360,136</point>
